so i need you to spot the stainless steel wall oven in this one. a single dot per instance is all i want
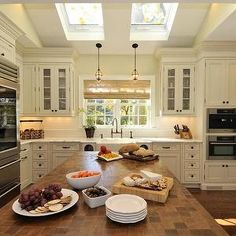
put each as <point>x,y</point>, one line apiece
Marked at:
<point>9,135</point>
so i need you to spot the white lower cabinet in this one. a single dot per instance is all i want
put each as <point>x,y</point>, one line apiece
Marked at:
<point>220,171</point>
<point>25,165</point>
<point>169,156</point>
<point>62,151</point>
<point>40,162</point>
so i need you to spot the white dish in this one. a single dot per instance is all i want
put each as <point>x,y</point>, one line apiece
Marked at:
<point>75,197</point>
<point>125,221</point>
<point>97,201</point>
<point>110,159</point>
<point>125,215</point>
<point>126,203</point>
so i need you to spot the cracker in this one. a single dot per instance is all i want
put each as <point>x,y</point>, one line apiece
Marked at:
<point>55,207</point>
<point>53,202</point>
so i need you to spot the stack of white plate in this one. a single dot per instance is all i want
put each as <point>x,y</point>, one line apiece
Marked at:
<point>126,208</point>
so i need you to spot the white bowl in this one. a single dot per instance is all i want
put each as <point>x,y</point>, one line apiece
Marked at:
<point>96,201</point>
<point>82,183</point>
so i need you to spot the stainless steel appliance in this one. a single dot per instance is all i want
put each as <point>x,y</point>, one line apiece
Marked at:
<point>9,135</point>
<point>221,120</point>
<point>222,148</point>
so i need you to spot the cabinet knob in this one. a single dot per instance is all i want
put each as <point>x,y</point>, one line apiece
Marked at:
<point>192,165</point>
<point>55,110</point>
<point>180,110</point>
<point>227,102</point>
<point>40,156</point>
<point>40,164</point>
<point>40,147</point>
<point>223,102</point>
<point>177,110</point>
<point>40,176</point>
<point>192,147</point>
<point>3,54</point>
<point>223,165</point>
<point>52,110</point>
<point>192,156</point>
<point>192,176</point>
<point>226,166</point>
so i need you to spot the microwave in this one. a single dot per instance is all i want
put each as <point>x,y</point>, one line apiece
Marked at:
<point>222,148</point>
<point>221,120</point>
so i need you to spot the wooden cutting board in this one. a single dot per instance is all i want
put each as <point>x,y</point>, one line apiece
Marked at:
<point>140,158</point>
<point>158,196</point>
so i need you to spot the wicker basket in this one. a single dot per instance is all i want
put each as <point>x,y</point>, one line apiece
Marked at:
<point>32,133</point>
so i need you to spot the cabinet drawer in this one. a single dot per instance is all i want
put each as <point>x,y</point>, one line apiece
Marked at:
<point>191,165</point>
<point>65,147</point>
<point>40,146</point>
<point>191,146</point>
<point>24,148</point>
<point>40,156</point>
<point>38,174</point>
<point>166,146</point>
<point>193,155</point>
<point>191,176</point>
<point>40,165</point>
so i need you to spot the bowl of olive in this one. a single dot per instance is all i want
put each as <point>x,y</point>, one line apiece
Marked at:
<point>96,196</point>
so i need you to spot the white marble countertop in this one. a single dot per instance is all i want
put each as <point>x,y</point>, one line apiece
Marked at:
<point>114,140</point>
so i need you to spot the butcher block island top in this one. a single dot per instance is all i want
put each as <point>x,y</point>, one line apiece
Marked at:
<point>180,215</point>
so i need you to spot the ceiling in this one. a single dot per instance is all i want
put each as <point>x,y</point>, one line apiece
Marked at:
<point>188,22</point>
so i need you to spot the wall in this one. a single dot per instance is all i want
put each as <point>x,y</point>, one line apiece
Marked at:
<point>115,65</point>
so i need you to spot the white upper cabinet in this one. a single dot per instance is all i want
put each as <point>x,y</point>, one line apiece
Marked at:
<point>7,50</point>
<point>178,96</point>
<point>220,82</point>
<point>54,89</point>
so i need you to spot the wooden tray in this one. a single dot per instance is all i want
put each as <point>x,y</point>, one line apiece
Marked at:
<point>140,158</point>
<point>158,196</point>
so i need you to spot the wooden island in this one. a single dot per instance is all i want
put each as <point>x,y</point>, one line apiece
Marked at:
<point>180,215</point>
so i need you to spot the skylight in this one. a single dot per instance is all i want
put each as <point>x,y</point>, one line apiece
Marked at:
<point>81,21</point>
<point>152,21</point>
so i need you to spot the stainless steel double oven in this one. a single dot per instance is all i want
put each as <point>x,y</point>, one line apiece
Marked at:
<point>9,135</point>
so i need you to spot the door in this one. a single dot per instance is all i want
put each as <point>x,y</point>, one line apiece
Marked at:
<point>216,82</point>
<point>25,169</point>
<point>186,89</point>
<point>231,172</point>
<point>231,82</point>
<point>170,89</point>
<point>172,162</point>
<point>61,83</point>
<point>215,172</point>
<point>47,89</point>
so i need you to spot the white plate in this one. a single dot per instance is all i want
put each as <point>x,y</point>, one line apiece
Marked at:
<point>75,197</point>
<point>126,203</point>
<point>125,221</point>
<point>110,159</point>
<point>126,217</point>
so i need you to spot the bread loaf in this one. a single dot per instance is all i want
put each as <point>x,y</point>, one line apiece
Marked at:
<point>132,147</point>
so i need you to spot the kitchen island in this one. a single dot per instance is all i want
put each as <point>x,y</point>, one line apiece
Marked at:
<point>180,215</point>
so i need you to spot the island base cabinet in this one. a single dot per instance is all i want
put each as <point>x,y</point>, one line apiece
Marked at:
<point>59,158</point>
<point>220,172</point>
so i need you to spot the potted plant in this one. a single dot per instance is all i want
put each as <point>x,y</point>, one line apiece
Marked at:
<point>89,125</point>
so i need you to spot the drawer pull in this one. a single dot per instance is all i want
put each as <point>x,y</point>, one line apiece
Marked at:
<point>40,155</point>
<point>40,147</point>
<point>166,147</point>
<point>192,147</point>
<point>23,158</point>
<point>40,164</point>
<point>65,147</point>
<point>22,150</point>
<point>192,156</point>
<point>192,176</point>
<point>226,166</point>
<point>40,176</point>
<point>192,164</point>
<point>223,165</point>
<point>2,54</point>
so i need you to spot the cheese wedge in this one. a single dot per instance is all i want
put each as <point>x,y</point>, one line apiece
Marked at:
<point>150,175</point>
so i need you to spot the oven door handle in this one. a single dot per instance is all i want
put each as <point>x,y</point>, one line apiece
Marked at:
<point>16,186</point>
<point>223,143</point>
<point>9,164</point>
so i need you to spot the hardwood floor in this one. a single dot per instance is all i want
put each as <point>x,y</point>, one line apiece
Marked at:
<point>220,204</point>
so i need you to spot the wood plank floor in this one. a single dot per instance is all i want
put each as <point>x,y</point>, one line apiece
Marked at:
<point>220,204</point>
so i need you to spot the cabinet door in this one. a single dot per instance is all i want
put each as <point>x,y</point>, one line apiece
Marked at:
<point>231,172</point>
<point>215,172</point>
<point>28,90</point>
<point>216,83</point>
<point>186,89</point>
<point>7,50</point>
<point>231,82</point>
<point>25,169</point>
<point>47,89</point>
<point>170,89</point>
<point>59,158</point>
<point>61,83</point>
<point>172,162</point>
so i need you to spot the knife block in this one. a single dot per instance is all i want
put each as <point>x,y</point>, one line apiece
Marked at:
<point>185,135</point>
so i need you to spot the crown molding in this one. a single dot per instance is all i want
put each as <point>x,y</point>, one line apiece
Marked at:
<point>9,27</point>
<point>175,52</point>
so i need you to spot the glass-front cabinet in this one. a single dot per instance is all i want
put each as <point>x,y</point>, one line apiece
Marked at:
<point>178,95</point>
<point>54,89</point>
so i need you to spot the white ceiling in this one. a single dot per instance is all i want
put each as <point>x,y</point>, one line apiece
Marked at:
<point>187,24</point>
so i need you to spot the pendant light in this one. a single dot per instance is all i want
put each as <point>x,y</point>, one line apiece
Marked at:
<point>135,72</point>
<point>98,74</point>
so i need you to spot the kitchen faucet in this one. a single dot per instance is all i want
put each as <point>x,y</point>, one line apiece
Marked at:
<point>115,121</point>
